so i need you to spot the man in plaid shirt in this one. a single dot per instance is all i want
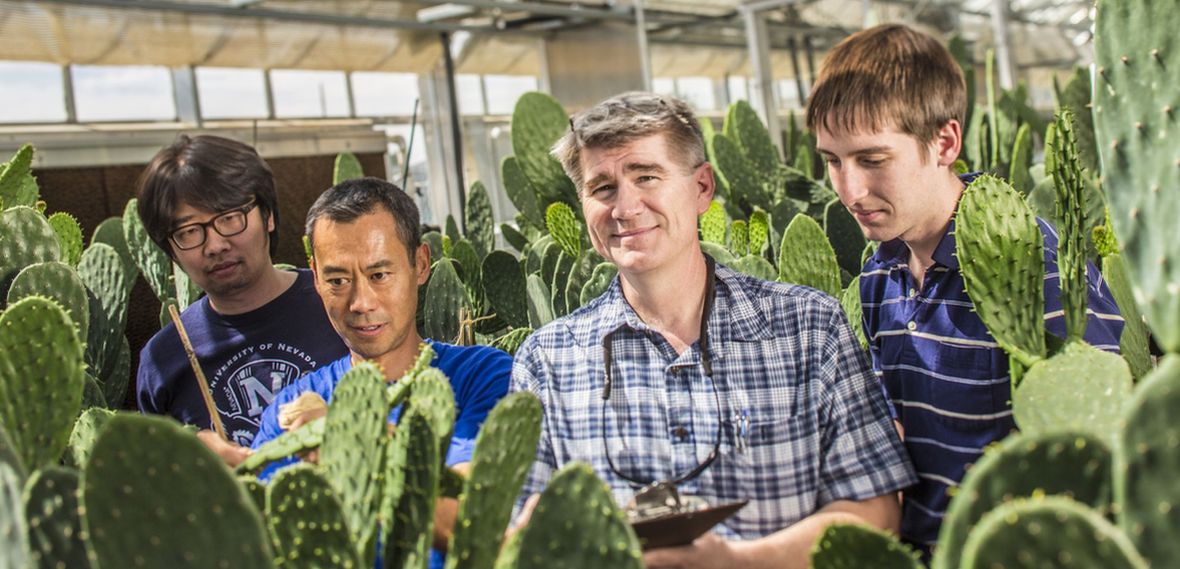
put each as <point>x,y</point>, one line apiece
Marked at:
<point>685,371</point>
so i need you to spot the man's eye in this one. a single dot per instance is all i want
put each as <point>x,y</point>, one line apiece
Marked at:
<point>335,282</point>
<point>871,162</point>
<point>601,189</point>
<point>379,277</point>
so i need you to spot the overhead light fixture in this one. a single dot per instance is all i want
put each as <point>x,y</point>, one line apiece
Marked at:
<point>444,12</point>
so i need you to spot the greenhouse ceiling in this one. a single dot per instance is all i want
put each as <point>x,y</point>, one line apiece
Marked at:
<point>686,37</point>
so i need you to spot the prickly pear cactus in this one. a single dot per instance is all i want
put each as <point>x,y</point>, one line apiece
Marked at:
<point>431,395</point>
<point>747,188</point>
<point>521,192</point>
<point>347,167</point>
<point>110,233</point>
<point>1080,388</point>
<point>445,295</point>
<point>538,121</point>
<point>17,185</point>
<point>155,496</point>
<point>1021,161</point>
<point>577,524</point>
<point>850,302</point>
<point>845,236</point>
<point>10,455</point>
<point>758,229</point>
<point>57,281</point>
<point>85,433</point>
<point>752,137</point>
<point>503,454</point>
<point>1147,455</point>
<point>479,221</point>
<point>69,236</point>
<point>351,456</point>
<point>55,525</point>
<point>1073,464</point>
<point>14,538</point>
<point>600,280</point>
<point>38,341</point>
<point>851,546</point>
<point>511,341</point>
<point>256,491</point>
<point>504,285</point>
<point>290,443</point>
<point>713,224</point>
<point>1135,116</point>
<point>306,521</point>
<point>756,267</point>
<point>540,303</point>
<point>25,238</point>
<point>1133,344</point>
<point>514,237</point>
<point>806,258</point>
<point>565,228</point>
<point>1000,252</point>
<point>102,272</point>
<point>152,261</point>
<point>739,238</point>
<point>408,546</point>
<point>1049,532</point>
<point>1066,171</point>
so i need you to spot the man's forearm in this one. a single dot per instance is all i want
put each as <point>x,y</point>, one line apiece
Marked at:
<point>791,547</point>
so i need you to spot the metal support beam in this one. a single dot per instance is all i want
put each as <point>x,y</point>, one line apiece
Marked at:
<point>793,49</point>
<point>644,49</point>
<point>348,94</point>
<point>456,131</point>
<point>757,43</point>
<point>270,94</point>
<point>1000,35</point>
<point>67,89</point>
<point>184,93</point>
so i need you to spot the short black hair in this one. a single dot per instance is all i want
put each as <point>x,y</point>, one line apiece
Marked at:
<point>347,201</point>
<point>206,172</point>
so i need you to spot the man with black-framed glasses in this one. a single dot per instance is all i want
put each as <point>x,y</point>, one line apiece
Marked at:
<point>210,203</point>
<point>687,380</point>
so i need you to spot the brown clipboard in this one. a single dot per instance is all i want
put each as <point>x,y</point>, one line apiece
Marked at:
<point>674,530</point>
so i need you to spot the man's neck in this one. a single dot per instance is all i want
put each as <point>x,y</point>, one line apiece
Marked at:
<point>270,285</point>
<point>924,238</point>
<point>396,363</point>
<point>669,300</point>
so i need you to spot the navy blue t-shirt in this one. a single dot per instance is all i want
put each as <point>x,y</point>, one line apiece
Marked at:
<point>247,358</point>
<point>479,378</point>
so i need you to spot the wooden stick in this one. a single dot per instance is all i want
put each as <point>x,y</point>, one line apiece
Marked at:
<point>214,416</point>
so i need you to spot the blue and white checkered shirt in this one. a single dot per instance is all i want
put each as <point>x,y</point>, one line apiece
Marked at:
<point>783,357</point>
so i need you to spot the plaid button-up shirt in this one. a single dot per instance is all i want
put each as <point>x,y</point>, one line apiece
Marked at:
<point>785,366</point>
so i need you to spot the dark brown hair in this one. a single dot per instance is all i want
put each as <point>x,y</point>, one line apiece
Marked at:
<point>206,172</point>
<point>348,200</point>
<point>888,76</point>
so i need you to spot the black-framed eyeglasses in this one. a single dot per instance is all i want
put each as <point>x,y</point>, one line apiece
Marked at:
<point>666,489</point>
<point>227,224</point>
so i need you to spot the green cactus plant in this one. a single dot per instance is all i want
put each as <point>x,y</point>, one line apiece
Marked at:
<point>17,185</point>
<point>85,433</point>
<point>850,546</point>
<point>713,224</point>
<point>504,451</point>
<point>25,238</point>
<point>408,545</point>
<point>479,221</point>
<point>346,167</point>
<point>1066,171</point>
<point>739,238</point>
<point>10,455</point>
<point>256,491</point>
<point>155,496</point>
<point>1133,344</point>
<point>54,521</point>
<point>1145,460</point>
<point>521,192</point>
<point>306,521</point>
<point>431,395</point>
<point>58,281</point>
<point>538,121</point>
<point>110,233</point>
<point>153,262</point>
<point>69,236</point>
<point>1073,464</point>
<point>511,341</point>
<point>540,302</point>
<point>445,296</point>
<point>758,229</point>
<point>1135,113</point>
<point>290,443</point>
<point>576,504</point>
<point>14,536</point>
<point>38,341</point>
<point>1021,161</point>
<point>1080,388</point>
<point>747,187</point>
<point>850,302</point>
<point>806,258</point>
<point>1048,532</point>
<point>514,237</point>
<point>351,455</point>
<point>752,137</point>
<point>504,285</point>
<point>999,247</point>
<point>1076,97</point>
<point>580,274</point>
<point>755,266</point>
<point>845,235</point>
<point>600,280</point>
<point>565,228</point>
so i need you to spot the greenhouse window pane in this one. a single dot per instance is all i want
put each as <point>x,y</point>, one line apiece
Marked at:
<point>738,88</point>
<point>116,93</point>
<point>231,93</point>
<point>384,94</point>
<point>698,92</point>
<point>470,94</point>
<point>303,94</point>
<point>663,85</point>
<point>504,90</point>
<point>32,92</point>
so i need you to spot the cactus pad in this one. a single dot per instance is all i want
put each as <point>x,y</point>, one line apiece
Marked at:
<point>86,431</point>
<point>538,121</point>
<point>69,236</point>
<point>408,546</point>
<point>806,258</point>
<point>999,247</point>
<point>540,303</point>
<point>290,443</point>
<point>504,285</point>
<point>565,228</point>
<point>713,224</point>
<point>25,238</point>
<point>347,167</point>
<point>306,522</point>
<point>479,221</point>
<point>52,514</point>
<point>851,546</point>
<point>152,261</point>
<point>57,281</point>
<point>17,185</point>
<point>1080,388</point>
<point>445,295</point>
<point>155,496</point>
<point>845,235</point>
<point>600,280</point>
<point>38,341</point>
<point>14,538</point>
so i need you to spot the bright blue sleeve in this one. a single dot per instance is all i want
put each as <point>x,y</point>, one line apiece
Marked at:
<point>479,376</point>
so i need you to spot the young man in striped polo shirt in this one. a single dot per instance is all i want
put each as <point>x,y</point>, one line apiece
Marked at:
<point>888,111</point>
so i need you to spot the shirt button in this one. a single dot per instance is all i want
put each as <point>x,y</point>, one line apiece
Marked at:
<point>680,433</point>
<point>913,292</point>
<point>911,326</point>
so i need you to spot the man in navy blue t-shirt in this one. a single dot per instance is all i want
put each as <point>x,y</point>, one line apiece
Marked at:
<point>368,262</point>
<point>211,204</point>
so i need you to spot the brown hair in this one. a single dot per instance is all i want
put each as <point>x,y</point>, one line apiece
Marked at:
<point>889,75</point>
<point>206,172</point>
<point>349,200</point>
<point>628,117</point>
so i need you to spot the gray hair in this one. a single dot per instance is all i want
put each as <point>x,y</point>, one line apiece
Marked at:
<point>628,117</point>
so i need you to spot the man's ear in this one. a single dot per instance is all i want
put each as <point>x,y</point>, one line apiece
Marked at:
<point>422,263</point>
<point>948,143</point>
<point>706,185</point>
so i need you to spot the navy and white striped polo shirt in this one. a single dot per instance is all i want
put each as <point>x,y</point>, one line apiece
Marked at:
<point>944,372</point>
